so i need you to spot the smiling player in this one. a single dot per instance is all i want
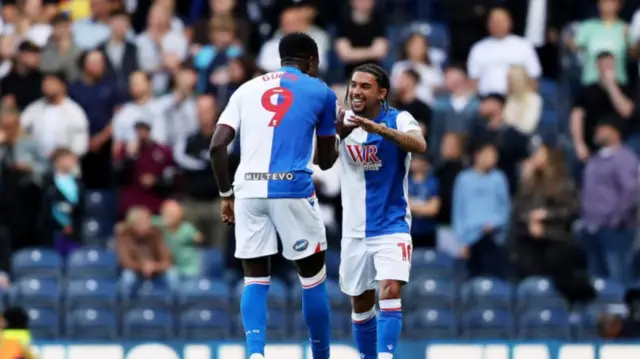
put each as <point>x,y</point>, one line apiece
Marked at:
<point>376,244</point>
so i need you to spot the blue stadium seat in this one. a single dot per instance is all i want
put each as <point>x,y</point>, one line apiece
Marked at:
<point>430,292</point>
<point>277,325</point>
<point>608,290</point>
<point>92,263</point>
<point>333,264</point>
<point>204,324</point>
<point>432,323</point>
<point>204,293</point>
<point>97,229</point>
<point>36,292</point>
<point>100,204</point>
<point>588,329</point>
<point>94,293</point>
<point>435,264</point>
<point>484,291</point>
<point>487,324</point>
<point>150,295</point>
<point>36,262</point>
<point>212,263</point>
<point>44,323</point>
<point>545,324</point>
<point>538,292</point>
<point>148,324</point>
<point>92,324</point>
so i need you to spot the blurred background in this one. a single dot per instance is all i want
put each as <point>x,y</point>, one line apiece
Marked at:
<point>525,209</point>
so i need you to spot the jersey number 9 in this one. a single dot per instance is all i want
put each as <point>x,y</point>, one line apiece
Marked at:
<point>283,101</point>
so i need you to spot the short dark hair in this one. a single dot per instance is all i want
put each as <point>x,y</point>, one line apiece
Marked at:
<point>415,76</point>
<point>495,96</point>
<point>58,75</point>
<point>59,153</point>
<point>61,18</point>
<point>118,13</point>
<point>604,55</point>
<point>456,66</point>
<point>16,318</point>
<point>297,46</point>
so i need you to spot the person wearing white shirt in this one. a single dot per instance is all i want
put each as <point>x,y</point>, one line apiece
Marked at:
<point>55,121</point>
<point>491,58</point>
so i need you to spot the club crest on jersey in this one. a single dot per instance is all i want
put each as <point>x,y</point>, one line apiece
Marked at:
<point>301,245</point>
<point>365,156</point>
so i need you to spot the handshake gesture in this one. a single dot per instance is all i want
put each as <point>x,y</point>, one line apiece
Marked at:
<point>348,121</point>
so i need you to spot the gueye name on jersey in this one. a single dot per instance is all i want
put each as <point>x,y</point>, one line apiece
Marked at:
<point>280,176</point>
<point>365,156</point>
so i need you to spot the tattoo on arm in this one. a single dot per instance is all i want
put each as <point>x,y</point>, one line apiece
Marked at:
<point>219,157</point>
<point>411,141</point>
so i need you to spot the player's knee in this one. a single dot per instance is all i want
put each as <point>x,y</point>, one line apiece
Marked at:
<point>390,289</point>
<point>364,302</point>
<point>312,265</point>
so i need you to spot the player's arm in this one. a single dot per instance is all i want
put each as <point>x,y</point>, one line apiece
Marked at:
<point>408,135</point>
<point>226,128</point>
<point>326,140</point>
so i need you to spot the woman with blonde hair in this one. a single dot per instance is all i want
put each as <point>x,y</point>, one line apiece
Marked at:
<point>523,106</point>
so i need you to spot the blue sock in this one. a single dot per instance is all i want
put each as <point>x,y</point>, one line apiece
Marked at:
<point>317,315</point>
<point>389,327</point>
<point>253,307</point>
<point>364,333</point>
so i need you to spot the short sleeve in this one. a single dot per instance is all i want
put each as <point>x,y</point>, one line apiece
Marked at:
<point>326,122</point>
<point>231,114</point>
<point>473,62</point>
<point>582,34</point>
<point>406,123</point>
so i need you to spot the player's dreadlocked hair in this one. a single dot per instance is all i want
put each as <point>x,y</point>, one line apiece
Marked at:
<point>382,77</point>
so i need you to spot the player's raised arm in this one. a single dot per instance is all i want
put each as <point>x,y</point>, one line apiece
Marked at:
<point>327,151</point>
<point>408,136</point>
<point>226,128</point>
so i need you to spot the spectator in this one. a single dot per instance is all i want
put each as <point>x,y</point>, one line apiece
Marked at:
<point>7,53</point>
<point>212,60</point>
<point>21,169</point>
<point>362,36</point>
<point>170,5</point>
<point>31,23</point>
<point>541,242</point>
<point>609,204</point>
<point>120,53</point>
<point>176,111</point>
<point>98,96</point>
<point>454,112</point>
<point>225,8</point>
<point>512,145</point>
<point>161,50</point>
<point>63,209</point>
<point>23,84</point>
<point>452,163</point>
<point>55,120</point>
<point>605,98</point>
<point>61,54</point>
<point>490,59</point>
<point>94,30</point>
<point>524,106</point>
<point>145,171</point>
<point>241,69</point>
<point>480,213</point>
<point>605,34</point>
<point>467,24</point>
<point>142,252</point>
<point>407,100</point>
<point>416,55</point>
<point>424,202</point>
<point>142,107</point>
<point>191,154</point>
<point>293,20</point>
<point>182,239</point>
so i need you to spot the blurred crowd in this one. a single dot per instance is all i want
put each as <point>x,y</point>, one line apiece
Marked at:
<point>530,109</point>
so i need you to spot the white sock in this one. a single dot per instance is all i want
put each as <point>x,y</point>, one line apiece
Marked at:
<point>257,356</point>
<point>382,356</point>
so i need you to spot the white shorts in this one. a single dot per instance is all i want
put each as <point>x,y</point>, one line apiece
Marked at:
<point>363,262</point>
<point>296,220</point>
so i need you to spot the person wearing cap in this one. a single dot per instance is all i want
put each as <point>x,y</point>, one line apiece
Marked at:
<point>23,84</point>
<point>609,203</point>
<point>55,120</point>
<point>145,169</point>
<point>15,337</point>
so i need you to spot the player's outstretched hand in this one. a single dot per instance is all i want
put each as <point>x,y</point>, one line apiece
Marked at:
<point>366,124</point>
<point>342,129</point>
<point>226,211</point>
